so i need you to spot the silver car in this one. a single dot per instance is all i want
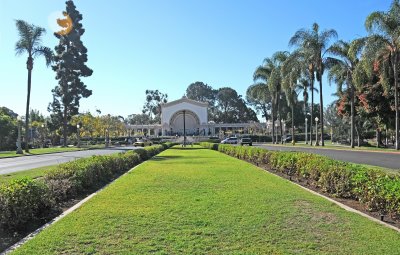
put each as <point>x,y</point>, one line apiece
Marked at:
<point>230,140</point>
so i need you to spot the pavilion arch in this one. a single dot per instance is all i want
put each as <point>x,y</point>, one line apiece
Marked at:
<point>192,122</point>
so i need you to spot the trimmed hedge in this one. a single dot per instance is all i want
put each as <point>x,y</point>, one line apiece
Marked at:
<point>30,201</point>
<point>212,146</point>
<point>376,189</point>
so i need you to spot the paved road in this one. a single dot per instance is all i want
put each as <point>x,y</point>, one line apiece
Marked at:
<point>382,159</point>
<point>10,165</point>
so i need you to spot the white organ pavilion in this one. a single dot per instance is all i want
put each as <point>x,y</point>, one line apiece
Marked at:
<point>194,116</point>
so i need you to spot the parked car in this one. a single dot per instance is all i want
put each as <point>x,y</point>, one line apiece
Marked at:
<point>287,139</point>
<point>246,140</point>
<point>230,140</point>
<point>142,143</point>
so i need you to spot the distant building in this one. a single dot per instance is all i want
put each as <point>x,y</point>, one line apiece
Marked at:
<point>196,121</point>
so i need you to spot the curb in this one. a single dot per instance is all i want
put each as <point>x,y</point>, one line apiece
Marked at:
<point>61,216</point>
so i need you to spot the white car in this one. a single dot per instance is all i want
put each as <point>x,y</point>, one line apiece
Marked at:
<point>230,140</point>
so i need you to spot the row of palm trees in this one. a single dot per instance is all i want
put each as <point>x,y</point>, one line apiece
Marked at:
<point>348,64</point>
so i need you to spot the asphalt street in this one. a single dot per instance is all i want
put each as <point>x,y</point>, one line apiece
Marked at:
<point>10,165</point>
<point>382,159</point>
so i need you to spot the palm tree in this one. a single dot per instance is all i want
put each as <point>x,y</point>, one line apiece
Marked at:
<point>383,44</point>
<point>275,83</point>
<point>289,85</point>
<point>262,75</point>
<point>292,70</point>
<point>302,59</point>
<point>341,69</point>
<point>315,44</point>
<point>270,73</point>
<point>30,38</point>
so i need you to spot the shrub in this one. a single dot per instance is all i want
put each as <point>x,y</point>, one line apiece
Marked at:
<point>208,145</point>
<point>338,181</point>
<point>24,201</point>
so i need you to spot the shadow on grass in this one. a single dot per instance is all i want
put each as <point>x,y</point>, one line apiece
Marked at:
<point>187,148</point>
<point>160,158</point>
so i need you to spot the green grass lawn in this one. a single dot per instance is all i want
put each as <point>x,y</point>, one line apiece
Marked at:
<point>198,201</point>
<point>32,173</point>
<point>5,154</point>
<point>39,151</point>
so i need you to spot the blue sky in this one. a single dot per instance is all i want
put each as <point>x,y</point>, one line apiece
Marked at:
<point>166,45</point>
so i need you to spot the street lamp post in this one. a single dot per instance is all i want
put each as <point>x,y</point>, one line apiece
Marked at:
<point>19,147</point>
<point>276,133</point>
<point>306,129</point>
<point>105,138</point>
<point>329,124</point>
<point>284,131</point>
<point>268,124</point>
<point>43,136</point>
<point>316,131</point>
<point>184,128</point>
<point>78,126</point>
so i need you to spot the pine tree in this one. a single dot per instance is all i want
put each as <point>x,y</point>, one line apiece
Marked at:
<point>70,59</point>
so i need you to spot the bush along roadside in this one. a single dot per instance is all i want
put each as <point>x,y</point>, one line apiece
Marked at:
<point>25,203</point>
<point>377,190</point>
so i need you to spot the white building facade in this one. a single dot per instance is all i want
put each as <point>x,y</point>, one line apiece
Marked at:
<point>192,116</point>
<point>173,115</point>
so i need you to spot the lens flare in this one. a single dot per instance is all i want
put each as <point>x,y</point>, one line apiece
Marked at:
<point>60,22</point>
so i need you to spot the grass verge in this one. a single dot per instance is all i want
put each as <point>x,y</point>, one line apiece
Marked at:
<point>39,151</point>
<point>198,201</point>
<point>32,173</point>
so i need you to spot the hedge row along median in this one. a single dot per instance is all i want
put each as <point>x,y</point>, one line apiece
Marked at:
<point>377,190</point>
<point>31,202</point>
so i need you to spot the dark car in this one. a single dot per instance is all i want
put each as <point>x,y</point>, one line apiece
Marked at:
<point>246,140</point>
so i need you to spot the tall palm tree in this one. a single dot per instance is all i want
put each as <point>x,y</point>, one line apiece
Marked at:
<point>262,74</point>
<point>275,83</point>
<point>303,86</point>
<point>292,70</point>
<point>270,73</point>
<point>384,44</point>
<point>316,44</point>
<point>30,39</point>
<point>341,69</point>
<point>289,85</point>
<point>302,58</point>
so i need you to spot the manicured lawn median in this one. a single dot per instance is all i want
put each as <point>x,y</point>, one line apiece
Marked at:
<point>199,201</point>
